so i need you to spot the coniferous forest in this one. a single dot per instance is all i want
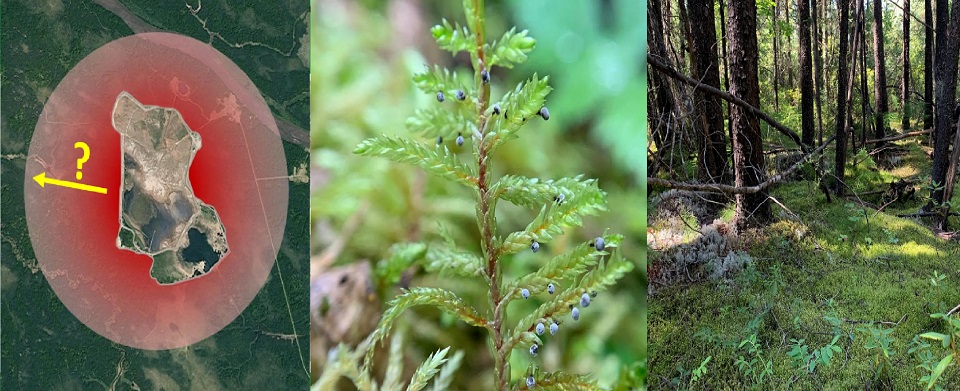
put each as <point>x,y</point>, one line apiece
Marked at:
<point>802,214</point>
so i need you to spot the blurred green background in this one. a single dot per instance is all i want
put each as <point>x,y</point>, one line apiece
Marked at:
<point>363,56</point>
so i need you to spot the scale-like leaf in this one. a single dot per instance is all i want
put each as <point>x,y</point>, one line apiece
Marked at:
<point>440,298</point>
<point>427,370</point>
<point>566,266</point>
<point>560,381</point>
<point>533,192</point>
<point>553,217</point>
<point>454,38</point>
<point>442,382</point>
<point>438,121</point>
<point>438,160</point>
<point>604,275</point>
<point>517,107</point>
<point>452,262</point>
<point>438,79</point>
<point>511,49</point>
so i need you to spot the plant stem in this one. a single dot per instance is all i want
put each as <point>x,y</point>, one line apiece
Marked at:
<point>488,206</point>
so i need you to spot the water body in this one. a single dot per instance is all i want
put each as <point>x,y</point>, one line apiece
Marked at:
<point>199,250</point>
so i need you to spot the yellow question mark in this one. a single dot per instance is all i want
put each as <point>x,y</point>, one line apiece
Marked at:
<point>86,156</point>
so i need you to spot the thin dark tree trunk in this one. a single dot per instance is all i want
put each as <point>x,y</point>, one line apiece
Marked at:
<point>946,90</point>
<point>704,65</point>
<point>817,70</point>
<point>840,159</point>
<point>723,56</point>
<point>751,209</point>
<point>685,25</point>
<point>905,87</point>
<point>776,57</point>
<point>789,48</point>
<point>662,117</point>
<point>928,49</point>
<point>880,74</point>
<point>806,74</point>
<point>864,94</point>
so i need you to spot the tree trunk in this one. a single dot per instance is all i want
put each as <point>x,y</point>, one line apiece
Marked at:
<point>704,66</point>
<point>905,87</point>
<point>776,57</point>
<point>817,69</point>
<point>928,49</point>
<point>880,74</point>
<point>723,56</point>
<point>661,94</point>
<point>946,90</point>
<point>789,48</point>
<point>751,209</point>
<point>806,74</point>
<point>840,160</point>
<point>864,94</point>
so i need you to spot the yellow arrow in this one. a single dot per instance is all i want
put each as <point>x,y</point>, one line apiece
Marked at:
<point>42,179</point>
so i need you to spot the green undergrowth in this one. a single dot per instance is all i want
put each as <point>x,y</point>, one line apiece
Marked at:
<point>837,296</point>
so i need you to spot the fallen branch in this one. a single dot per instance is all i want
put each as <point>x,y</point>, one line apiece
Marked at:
<point>955,309</point>
<point>900,136</point>
<point>697,85</point>
<point>728,189</point>
<point>927,214</point>
<point>885,323</point>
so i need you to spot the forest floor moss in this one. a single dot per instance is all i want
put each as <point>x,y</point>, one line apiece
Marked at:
<point>819,271</point>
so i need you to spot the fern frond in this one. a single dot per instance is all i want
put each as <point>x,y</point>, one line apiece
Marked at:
<point>596,280</point>
<point>438,79</point>
<point>438,161</point>
<point>402,255</point>
<point>391,380</point>
<point>437,121</point>
<point>442,382</point>
<point>454,38</point>
<point>427,370</point>
<point>566,266</point>
<point>440,298</point>
<point>554,217</point>
<point>343,362</point>
<point>560,381</point>
<point>517,107</point>
<point>533,192</point>
<point>511,49</point>
<point>453,262</point>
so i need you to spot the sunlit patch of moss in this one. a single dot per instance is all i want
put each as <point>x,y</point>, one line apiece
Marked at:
<point>830,269</point>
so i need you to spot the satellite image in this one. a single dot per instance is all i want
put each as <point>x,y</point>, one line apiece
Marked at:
<point>75,320</point>
<point>160,216</point>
